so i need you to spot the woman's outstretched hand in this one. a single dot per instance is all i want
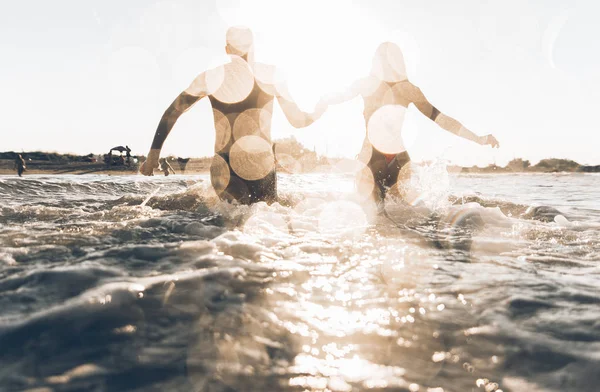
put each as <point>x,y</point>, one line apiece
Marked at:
<point>489,140</point>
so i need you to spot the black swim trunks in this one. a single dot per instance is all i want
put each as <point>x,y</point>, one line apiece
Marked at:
<point>242,190</point>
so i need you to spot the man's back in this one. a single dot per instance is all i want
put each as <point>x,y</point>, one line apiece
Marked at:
<point>242,98</point>
<point>244,164</point>
<point>241,107</point>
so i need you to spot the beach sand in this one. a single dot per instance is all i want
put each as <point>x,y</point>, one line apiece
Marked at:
<point>78,168</point>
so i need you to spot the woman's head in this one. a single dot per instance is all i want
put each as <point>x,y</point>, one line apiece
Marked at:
<point>388,63</point>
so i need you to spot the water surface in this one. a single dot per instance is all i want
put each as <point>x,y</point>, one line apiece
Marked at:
<point>473,286</point>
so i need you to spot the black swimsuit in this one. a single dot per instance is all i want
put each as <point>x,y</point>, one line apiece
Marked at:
<point>385,173</point>
<point>385,167</point>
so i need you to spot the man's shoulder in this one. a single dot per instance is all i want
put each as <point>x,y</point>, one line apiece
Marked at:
<point>268,76</point>
<point>260,63</point>
<point>201,85</point>
<point>264,69</point>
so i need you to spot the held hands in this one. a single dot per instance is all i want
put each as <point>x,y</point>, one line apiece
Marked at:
<point>489,140</point>
<point>326,101</point>
<point>150,163</point>
<point>320,109</point>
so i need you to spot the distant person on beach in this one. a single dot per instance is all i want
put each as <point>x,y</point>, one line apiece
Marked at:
<point>108,159</point>
<point>183,163</point>
<point>241,93</point>
<point>166,167</point>
<point>386,93</point>
<point>20,165</point>
<point>128,155</point>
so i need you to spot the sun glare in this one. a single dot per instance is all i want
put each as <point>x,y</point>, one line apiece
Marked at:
<point>320,46</point>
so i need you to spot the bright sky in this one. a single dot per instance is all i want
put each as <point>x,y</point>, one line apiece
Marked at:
<point>84,75</point>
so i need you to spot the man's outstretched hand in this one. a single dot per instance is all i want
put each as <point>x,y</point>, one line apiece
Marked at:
<point>489,140</point>
<point>150,164</point>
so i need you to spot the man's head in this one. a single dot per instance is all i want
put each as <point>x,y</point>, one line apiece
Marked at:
<point>239,41</point>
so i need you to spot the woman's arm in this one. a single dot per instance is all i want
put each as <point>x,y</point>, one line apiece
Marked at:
<point>446,122</point>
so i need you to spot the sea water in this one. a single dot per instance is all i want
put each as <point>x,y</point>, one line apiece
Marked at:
<point>477,283</point>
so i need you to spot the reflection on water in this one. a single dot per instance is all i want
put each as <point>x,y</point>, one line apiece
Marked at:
<point>459,291</point>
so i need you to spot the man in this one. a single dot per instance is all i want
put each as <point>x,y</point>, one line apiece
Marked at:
<point>241,94</point>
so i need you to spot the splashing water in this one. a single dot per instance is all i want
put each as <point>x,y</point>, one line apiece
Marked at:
<point>130,283</point>
<point>429,185</point>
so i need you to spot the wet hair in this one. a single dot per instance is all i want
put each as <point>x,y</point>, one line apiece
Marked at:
<point>388,63</point>
<point>239,40</point>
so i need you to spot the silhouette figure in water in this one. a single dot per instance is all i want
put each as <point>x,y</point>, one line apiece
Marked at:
<point>165,167</point>
<point>386,93</point>
<point>108,160</point>
<point>20,165</point>
<point>128,155</point>
<point>183,163</point>
<point>241,94</point>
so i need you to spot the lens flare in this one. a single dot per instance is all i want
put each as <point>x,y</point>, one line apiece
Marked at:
<point>365,183</point>
<point>237,190</point>
<point>388,63</point>
<point>252,158</point>
<point>403,185</point>
<point>288,163</point>
<point>252,122</point>
<point>269,78</point>
<point>222,130</point>
<point>207,82</point>
<point>219,174</point>
<point>382,95</point>
<point>342,217</point>
<point>231,82</point>
<point>239,39</point>
<point>384,129</point>
<point>346,165</point>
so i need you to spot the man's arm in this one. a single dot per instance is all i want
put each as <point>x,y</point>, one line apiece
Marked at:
<point>182,103</point>
<point>446,122</point>
<point>355,89</point>
<point>296,116</point>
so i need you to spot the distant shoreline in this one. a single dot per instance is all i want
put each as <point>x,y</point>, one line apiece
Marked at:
<point>53,163</point>
<point>192,173</point>
<point>551,165</point>
<point>66,170</point>
<point>117,171</point>
<point>201,166</point>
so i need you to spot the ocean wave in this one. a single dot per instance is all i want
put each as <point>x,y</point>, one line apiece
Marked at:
<point>110,283</point>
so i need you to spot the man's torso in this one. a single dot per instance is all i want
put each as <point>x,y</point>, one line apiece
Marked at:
<point>244,165</point>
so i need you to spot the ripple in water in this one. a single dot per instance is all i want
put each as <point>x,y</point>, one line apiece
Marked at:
<point>457,291</point>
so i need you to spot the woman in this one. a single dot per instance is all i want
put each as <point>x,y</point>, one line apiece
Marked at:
<point>386,93</point>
